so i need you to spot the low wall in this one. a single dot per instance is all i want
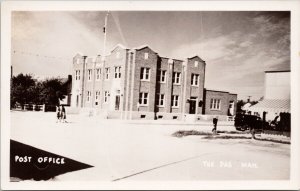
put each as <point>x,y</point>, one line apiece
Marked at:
<point>137,115</point>
<point>277,133</point>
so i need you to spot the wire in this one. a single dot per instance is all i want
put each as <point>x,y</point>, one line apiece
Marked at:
<point>20,52</point>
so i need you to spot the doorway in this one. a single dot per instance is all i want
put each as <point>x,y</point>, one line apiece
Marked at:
<point>117,103</point>
<point>192,105</point>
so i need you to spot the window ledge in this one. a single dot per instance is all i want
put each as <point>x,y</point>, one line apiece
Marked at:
<point>176,84</point>
<point>143,105</point>
<point>142,80</point>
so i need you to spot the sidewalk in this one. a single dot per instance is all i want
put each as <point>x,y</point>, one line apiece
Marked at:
<point>173,122</point>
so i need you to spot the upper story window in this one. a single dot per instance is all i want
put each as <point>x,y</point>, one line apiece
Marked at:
<point>175,101</point>
<point>196,63</point>
<point>143,98</point>
<point>118,72</point>
<point>195,80</point>
<point>215,104</point>
<point>89,74</point>
<point>97,95</point>
<point>88,98</point>
<point>162,76</point>
<point>145,74</point>
<point>77,75</point>
<point>176,78</point>
<point>98,73</point>
<point>160,100</point>
<point>107,72</point>
<point>146,55</point>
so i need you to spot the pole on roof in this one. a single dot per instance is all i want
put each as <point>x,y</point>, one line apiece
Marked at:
<point>103,59</point>
<point>105,32</point>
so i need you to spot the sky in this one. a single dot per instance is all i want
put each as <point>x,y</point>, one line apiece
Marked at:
<point>236,46</point>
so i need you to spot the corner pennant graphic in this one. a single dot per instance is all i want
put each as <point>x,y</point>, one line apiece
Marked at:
<point>27,162</point>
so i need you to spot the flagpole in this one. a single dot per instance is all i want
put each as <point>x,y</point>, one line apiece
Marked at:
<point>104,40</point>
<point>103,58</point>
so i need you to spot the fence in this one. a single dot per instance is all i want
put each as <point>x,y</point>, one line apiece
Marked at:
<point>34,107</point>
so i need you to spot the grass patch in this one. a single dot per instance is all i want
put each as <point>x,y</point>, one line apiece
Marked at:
<point>225,137</point>
<point>191,132</point>
<point>274,140</point>
<point>234,132</point>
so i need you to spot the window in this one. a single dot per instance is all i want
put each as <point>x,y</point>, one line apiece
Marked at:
<point>162,76</point>
<point>97,97</point>
<point>118,72</point>
<point>176,78</point>
<point>196,63</point>
<point>107,71</point>
<point>77,75</point>
<point>174,101</point>
<point>145,74</point>
<point>89,75</point>
<point>215,104</point>
<point>146,56</point>
<point>160,100</point>
<point>195,80</point>
<point>98,73</point>
<point>143,98</point>
<point>106,95</point>
<point>88,98</point>
<point>78,61</point>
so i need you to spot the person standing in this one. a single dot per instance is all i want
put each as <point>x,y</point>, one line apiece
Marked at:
<point>215,122</point>
<point>58,113</point>
<point>64,116</point>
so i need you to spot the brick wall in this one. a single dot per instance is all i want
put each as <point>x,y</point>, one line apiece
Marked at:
<point>144,86</point>
<point>225,97</point>
<point>194,91</point>
<point>130,85</point>
<point>78,63</point>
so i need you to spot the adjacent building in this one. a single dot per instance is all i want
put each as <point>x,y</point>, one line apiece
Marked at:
<point>137,83</point>
<point>277,98</point>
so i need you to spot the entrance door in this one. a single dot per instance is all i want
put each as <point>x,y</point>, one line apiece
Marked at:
<point>117,104</point>
<point>192,106</point>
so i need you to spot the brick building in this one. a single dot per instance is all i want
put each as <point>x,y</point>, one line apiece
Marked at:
<point>138,83</point>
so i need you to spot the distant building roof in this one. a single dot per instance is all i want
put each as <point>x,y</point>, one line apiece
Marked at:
<point>246,106</point>
<point>274,105</point>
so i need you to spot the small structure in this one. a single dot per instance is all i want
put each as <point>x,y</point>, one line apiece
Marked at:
<point>274,109</point>
<point>277,95</point>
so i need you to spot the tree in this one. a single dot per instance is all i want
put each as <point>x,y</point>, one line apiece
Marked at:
<point>22,89</point>
<point>25,89</point>
<point>239,106</point>
<point>51,91</point>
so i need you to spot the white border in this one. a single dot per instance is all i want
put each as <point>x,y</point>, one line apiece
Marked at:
<point>283,5</point>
